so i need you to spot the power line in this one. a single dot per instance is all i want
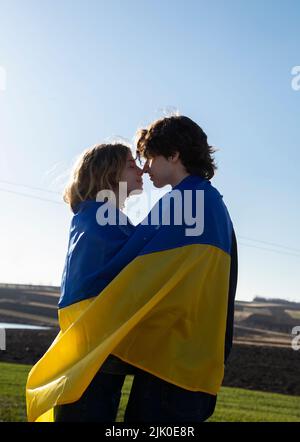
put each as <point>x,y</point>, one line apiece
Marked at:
<point>269,243</point>
<point>31,196</point>
<point>29,187</point>
<point>239,236</point>
<point>269,250</point>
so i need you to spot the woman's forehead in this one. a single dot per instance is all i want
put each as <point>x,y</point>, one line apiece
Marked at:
<point>130,157</point>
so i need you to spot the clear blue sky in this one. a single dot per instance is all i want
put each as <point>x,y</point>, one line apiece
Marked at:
<point>80,72</point>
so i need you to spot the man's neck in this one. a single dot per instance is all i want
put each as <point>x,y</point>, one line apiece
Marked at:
<point>178,178</point>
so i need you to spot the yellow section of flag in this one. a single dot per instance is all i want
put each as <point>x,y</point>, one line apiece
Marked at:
<point>165,313</point>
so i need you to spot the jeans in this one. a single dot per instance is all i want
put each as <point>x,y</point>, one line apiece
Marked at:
<point>154,400</point>
<point>151,400</point>
<point>99,402</point>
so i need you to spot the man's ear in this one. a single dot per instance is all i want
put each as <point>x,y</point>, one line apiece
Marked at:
<point>174,158</point>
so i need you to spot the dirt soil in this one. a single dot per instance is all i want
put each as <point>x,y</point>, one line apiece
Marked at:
<point>255,367</point>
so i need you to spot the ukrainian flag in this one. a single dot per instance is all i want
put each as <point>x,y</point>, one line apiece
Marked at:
<point>169,310</point>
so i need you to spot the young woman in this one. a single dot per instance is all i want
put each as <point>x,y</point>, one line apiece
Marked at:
<point>89,266</point>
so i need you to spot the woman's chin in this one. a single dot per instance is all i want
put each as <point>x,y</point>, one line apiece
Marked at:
<point>138,189</point>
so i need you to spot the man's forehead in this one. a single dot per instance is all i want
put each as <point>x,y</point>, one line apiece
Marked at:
<point>148,156</point>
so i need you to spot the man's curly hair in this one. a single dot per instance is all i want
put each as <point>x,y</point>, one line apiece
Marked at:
<point>178,134</point>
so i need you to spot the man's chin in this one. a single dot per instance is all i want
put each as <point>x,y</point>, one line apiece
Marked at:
<point>157,184</point>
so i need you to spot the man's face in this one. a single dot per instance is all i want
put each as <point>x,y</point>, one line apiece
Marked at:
<point>159,170</point>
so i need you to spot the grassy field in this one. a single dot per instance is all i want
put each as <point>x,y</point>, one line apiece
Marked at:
<point>234,404</point>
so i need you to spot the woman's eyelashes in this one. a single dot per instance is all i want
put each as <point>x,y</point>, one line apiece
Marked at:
<point>132,164</point>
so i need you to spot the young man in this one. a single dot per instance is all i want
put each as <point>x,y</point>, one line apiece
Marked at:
<point>177,153</point>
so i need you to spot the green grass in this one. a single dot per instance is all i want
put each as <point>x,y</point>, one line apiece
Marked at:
<point>239,405</point>
<point>234,404</point>
<point>12,392</point>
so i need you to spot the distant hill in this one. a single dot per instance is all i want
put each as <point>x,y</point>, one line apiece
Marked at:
<point>276,301</point>
<point>260,322</point>
<point>29,304</point>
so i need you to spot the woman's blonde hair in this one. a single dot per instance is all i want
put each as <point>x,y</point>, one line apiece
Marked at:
<point>97,168</point>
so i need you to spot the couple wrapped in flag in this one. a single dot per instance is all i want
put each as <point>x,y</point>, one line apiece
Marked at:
<point>158,296</point>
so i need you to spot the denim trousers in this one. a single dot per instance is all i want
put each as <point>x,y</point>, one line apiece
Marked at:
<point>151,399</point>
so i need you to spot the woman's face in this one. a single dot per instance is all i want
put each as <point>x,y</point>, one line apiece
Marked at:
<point>132,175</point>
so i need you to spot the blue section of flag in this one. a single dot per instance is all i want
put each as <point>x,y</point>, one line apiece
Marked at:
<point>92,252</point>
<point>217,225</point>
<point>97,254</point>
